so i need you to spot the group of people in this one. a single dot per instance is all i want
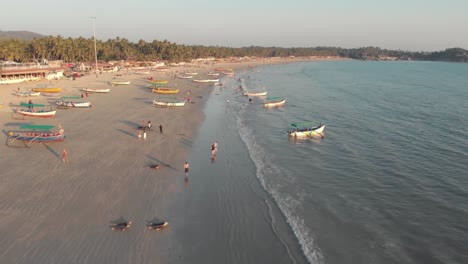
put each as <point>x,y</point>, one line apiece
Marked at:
<point>142,130</point>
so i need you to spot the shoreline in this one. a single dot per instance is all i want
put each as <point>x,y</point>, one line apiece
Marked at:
<point>49,203</point>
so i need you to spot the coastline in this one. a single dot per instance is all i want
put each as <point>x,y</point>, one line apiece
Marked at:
<point>49,204</point>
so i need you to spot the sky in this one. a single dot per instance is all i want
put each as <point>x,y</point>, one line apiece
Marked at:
<point>413,25</point>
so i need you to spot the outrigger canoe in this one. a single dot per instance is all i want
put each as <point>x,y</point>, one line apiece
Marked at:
<point>275,101</point>
<point>306,129</point>
<point>165,91</point>
<point>35,133</point>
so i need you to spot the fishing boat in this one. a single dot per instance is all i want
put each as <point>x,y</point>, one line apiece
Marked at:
<point>114,83</point>
<point>30,133</point>
<point>256,93</point>
<point>185,77</point>
<point>30,110</point>
<point>212,74</point>
<point>206,80</point>
<point>165,90</point>
<point>168,103</point>
<point>306,129</point>
<point>158,81</point>
<point>47,89</point>
<point>95,90</point>
<point>50,94</point>
<point>65,104</point>
<point>191,73</point>
<point>27,94</point>
<point>12,80</point>
<point>275,101</point>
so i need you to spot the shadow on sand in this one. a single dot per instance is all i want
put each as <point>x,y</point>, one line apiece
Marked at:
<point>160,162</point>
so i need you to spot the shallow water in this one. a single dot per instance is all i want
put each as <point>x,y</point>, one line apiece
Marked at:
<point>387,184</point>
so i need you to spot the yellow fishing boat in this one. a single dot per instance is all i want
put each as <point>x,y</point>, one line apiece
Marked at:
<point>48,90</point>
<point>165,91</point>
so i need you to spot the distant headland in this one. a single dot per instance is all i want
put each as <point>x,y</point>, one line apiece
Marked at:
<point>23,46</point>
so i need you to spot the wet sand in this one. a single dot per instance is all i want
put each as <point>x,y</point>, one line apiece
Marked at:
<point>62,212</point>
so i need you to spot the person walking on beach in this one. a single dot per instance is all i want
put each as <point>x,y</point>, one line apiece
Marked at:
<point>186,168</point>
<point>148,125</point>
<point>160,128</point>
<point>144,134</point>
<point>64,155</point>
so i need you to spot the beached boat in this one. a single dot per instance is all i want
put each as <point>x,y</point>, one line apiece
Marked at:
<point>168,104</point>
<point>256,93</point>
<point>50,94</point>
<point>206,80</point>
<point>185,77</point>
<point>31,110</point>
<point>35,133</point>
<point>27,94</point>
<point>65,104</point>
<point>47,89</point>
<point>11,81</point>
<point>275,102</point>
<point>158,81</point>
<point>114,83</point>
<point>306,129</point>
<point>95,90</point>
<point>212,74</point>
<point>165,90</point>
<point>190,73</point>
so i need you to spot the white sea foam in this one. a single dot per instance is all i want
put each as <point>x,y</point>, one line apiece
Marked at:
<point>286,203</point>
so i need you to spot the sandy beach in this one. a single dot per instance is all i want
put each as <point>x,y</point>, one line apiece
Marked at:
<point>62,212</point>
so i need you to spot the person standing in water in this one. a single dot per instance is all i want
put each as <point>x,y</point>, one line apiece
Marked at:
<point>186,168</point>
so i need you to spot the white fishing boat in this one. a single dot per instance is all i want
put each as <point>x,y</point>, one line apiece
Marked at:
<point>306,130</point>
<point>256,93</point>
<point>168,103</point>
<point>114,83</point>
<point>95,90</point>
<point>274,102</point>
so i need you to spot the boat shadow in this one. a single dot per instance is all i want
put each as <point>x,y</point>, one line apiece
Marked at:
<point>130,123</point>
<point>160,162</point>
<point>125,132</point>
<point>56,154</point>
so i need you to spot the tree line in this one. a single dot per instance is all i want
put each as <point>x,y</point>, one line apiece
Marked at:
<point>82,49</point>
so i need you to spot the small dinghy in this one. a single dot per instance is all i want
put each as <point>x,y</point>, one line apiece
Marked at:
<point>121,226</point>
<point>157,225</point>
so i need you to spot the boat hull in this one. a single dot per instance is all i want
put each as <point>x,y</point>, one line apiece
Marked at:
<point>255,93</point>
<point>307,133</point>
<point>47,90</point>
<point>30,112</point>
<point>276,103</point>
<point>33,136</point>
<point>95,90</point>
<point>114,83</point>
<point>165,91</point>
<point>168,104</point>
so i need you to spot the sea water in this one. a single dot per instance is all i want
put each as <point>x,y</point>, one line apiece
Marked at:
<point>388,182</point>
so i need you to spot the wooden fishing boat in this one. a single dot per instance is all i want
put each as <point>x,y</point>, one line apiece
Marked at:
<point>168,103</point>
<point>306,129</point>
<point>48,89</point>
<point>30,110</point>
<point>158,81</point>
<point>185,77</point>
<point>12,80</point>
<point>165,90</point>
<point>64,104</point>
<point>27,94</point>
<point>212,74</point>
<point>95,90</point>
<point>256,93</point>
<point>50,94</point>
<point>206,80</point>
<point>275,101</point>
<point>191,73</point>
<point>114,83</point>
<point>35,133</point>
